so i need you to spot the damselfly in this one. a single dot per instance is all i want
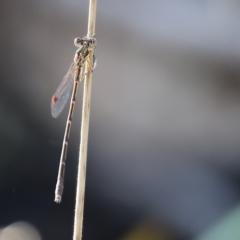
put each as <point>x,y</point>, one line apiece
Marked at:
<point>59,100</point>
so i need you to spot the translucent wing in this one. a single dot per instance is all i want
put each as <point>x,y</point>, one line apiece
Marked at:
<point>60,97</point>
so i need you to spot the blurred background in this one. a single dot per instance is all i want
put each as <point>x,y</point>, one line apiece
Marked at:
<point>164,155</point>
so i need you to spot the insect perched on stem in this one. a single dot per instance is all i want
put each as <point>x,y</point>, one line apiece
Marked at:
<point>59,100</point>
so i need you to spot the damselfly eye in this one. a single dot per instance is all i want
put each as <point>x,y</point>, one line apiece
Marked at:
<point>78,42</point>
<point>93,43</point>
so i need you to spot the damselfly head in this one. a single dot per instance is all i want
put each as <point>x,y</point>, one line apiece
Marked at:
<point>80,41</point>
